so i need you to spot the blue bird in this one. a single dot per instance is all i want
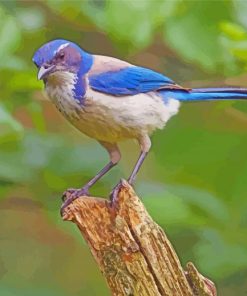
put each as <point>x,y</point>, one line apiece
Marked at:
<point>111,100</point>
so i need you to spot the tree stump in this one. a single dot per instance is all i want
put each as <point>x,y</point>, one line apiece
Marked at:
<point>132,251</point>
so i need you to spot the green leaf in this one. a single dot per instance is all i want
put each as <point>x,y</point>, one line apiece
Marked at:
<point>217,257</point>
<point>193,31</point>
<point>175,203</point>
<point>166,208</point>
<point>233,31</point>
<point>9,34</point>
<point>31,18</point>
<point>240,51</point>
<point>130,23</point>
<point>210,205</point>
<point>10,129</point>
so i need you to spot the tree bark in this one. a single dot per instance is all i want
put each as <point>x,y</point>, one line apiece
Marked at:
<point>132,251</point>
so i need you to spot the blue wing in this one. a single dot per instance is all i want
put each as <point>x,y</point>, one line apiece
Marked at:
<point>130,81</point>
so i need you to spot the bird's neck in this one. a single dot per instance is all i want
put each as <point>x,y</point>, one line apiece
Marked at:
<point>59,87</point>
<point>80,84</point>
<point>60,84</point>
<point>73,83</point>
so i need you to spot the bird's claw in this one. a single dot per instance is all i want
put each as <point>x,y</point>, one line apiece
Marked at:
<point>70,195</point>
<point>114,192</point>
<point>66,194</point>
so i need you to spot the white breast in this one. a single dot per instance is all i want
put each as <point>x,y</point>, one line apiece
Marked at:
<point>112,119</point>
<point>60,90</point>
<point>109,118</point>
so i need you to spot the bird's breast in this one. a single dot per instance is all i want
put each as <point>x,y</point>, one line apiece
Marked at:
<point>112,118</point>
<point>60,90</point>
<point>109,118</point>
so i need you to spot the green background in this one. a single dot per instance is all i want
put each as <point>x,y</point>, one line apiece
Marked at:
<point>194,181</point>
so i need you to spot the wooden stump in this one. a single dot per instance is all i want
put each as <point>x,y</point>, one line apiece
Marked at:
<point>132,251</point>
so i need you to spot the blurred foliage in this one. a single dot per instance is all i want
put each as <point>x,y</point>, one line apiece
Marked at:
<point>195,180</point>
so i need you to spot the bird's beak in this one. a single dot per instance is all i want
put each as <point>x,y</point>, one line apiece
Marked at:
<point>43,71</point>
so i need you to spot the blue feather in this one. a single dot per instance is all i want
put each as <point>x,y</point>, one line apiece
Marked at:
<point>46,52</point>
<point>80,86</point>
<point>129,81</point>
<point>205,94</point>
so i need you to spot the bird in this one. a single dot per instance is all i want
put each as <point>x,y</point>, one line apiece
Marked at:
<point>111,100</point>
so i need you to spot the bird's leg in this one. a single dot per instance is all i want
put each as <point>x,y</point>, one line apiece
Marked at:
<point>145,144</point>
<point>137,167</point>
<point>115,156</point>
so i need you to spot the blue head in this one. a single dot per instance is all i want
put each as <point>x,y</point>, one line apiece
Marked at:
<point>63,56</point>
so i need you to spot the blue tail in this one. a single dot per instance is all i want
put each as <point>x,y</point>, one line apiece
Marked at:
<point>206,94</point>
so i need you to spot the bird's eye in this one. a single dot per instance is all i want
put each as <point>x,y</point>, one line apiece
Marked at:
<point>61,55</point>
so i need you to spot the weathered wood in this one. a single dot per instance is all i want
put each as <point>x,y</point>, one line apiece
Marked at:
<point>132,251</point>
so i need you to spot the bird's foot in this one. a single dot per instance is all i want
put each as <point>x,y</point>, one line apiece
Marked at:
<point>70,195</point>
<point>115,191</point>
